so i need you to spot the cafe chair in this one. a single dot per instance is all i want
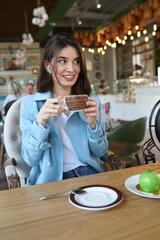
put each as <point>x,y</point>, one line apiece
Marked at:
<point>106,107</point>
<point>124,139</point>
<point>16,169</point>
<point>154,141</point>
<point>112,162</point>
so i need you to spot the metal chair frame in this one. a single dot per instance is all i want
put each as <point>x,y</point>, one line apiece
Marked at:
<point>154,125</point>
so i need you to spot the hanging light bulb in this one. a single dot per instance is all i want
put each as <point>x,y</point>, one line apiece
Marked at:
<point>114,45</point>
<point>123,42</point>
<point>79,21</point>
<point>105,47</point>
<point>117,38</point>
<point>103,52</point>
<point>129,32</point>
<point>138,34</point>
<point>98,5</point>
<point>153,33</point>
<point>155,27</point>
<point>145,31</point>
<point>83,49</point>
<point>125,37</point>
<point>136,27</point>
<point>119,41</point>
<point>131,37</point>
<point>146,39</point>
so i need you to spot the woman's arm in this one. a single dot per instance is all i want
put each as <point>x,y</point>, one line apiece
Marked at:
<point>34,135</point>
<point>96,127</point>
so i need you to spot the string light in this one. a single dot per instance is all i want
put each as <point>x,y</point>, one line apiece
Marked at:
<point>123,42</point>
<point>138,34</point>
<point>98,5</point>
<point>144,31</point>
<point>153,33</point>
<point>136,27</point>
<point>114,45</point>
<point>79,21</point>
<point>146,39</point>
<point>155,27</point>
<point>119,41</point>
<point>117,38</point>
<point>131,37</point>
<point>129,32</point>
<point>125,37</point>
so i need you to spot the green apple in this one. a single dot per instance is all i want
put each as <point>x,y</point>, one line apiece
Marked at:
<point>149,181</point>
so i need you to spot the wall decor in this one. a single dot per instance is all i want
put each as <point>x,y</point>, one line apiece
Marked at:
<point>2,81</point>
<point>97,66</point>
<point>97,57</point>
<point>98,75</point>
<point>32,60</point>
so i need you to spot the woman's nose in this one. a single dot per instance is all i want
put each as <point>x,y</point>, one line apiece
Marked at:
<point>70,66</point>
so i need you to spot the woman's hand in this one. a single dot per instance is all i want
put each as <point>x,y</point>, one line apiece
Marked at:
<point>51,108</point>
<point>91,112</point>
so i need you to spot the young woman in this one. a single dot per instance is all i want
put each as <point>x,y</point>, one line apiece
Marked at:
<point>59,145</point>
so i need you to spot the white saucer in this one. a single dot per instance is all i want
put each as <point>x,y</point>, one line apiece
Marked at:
<point>97,197</point>
<point>131,183</point>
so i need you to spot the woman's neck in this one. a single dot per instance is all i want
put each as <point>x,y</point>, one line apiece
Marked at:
<point>61,92</point>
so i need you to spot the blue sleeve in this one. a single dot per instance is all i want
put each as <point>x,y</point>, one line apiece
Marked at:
<point>97,138</point>
<point>34,135</point>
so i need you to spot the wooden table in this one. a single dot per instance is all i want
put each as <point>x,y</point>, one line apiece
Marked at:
<point>24,216</point>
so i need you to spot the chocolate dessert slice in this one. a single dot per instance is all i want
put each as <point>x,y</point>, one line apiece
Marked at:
<point>76,102</point>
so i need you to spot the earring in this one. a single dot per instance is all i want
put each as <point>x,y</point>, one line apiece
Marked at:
<point>48,69</point>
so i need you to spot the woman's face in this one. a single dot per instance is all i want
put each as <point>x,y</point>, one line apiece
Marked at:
<point>67,69</point>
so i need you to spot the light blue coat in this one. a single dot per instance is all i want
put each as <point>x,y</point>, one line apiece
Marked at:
<point>42,147</point>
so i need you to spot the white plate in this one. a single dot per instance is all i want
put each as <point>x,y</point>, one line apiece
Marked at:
<point>97,197</point>
<point>131,183</point>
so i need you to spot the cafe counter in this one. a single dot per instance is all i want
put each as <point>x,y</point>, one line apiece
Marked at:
<point>145,98</point>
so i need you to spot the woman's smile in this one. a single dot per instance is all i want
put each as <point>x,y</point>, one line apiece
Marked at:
<point>69,77</point>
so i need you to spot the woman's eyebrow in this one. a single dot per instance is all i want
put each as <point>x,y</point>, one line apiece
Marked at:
<point>61,57</point>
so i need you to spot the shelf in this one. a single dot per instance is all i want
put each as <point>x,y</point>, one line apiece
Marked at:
<point>141,44</point>
<point>147,59</point>
<point>147,50</point>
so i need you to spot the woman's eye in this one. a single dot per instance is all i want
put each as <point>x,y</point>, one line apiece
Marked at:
<point>62,61</point>
<point>77,61</point>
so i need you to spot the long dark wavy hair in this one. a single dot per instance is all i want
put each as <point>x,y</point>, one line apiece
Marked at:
<point>45,82</point>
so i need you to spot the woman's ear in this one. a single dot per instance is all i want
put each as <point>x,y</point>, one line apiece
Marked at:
<point>47,66</point>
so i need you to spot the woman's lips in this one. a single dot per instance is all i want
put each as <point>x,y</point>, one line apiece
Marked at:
<point>69,77</point>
